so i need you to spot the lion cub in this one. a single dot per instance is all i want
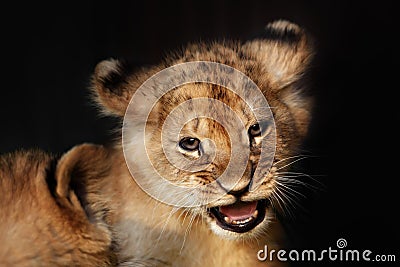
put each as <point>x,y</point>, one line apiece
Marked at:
<point>231,230</point>
<point>43,220</point>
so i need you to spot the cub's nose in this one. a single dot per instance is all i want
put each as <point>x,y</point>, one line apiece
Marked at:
<point>241,187</point>
<point>243,184</point>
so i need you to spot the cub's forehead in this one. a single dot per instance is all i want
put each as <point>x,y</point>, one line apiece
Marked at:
<point>206,98</point>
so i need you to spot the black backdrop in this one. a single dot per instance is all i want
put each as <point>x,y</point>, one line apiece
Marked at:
<point>49,51</point>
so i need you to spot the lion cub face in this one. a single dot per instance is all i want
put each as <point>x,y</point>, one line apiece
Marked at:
<point>195,152</point>
<point>42,217</point>
<point>207,146</point>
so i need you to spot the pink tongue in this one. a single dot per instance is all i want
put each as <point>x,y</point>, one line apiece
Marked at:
<point>239,211</point>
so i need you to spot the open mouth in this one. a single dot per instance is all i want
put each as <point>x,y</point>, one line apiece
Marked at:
<point>240,217</point>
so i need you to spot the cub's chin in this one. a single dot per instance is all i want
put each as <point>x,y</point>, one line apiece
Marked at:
<point>240,220</point>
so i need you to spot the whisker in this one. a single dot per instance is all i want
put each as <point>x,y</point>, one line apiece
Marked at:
<point>290,180</point>
<point>290,163</point>
<point>172,212</point>
<point>281,202</point>
<point>289,174</point>
<point>263,108</point>
<point>291,157</point>
<point>188,228</point>
<point>271,200</point>
<point>290,190</point>
<point>186,211</point>
<point>293,197</point>
<point>286,203</point>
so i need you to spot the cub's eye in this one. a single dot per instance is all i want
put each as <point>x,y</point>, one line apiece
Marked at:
<point>189,143</point>
<point>255,130</point>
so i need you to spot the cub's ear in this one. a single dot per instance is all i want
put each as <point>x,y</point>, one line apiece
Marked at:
<point>286,51</point>
<point>111,86</point>
<point>76,173</point>
<point>81,164</point>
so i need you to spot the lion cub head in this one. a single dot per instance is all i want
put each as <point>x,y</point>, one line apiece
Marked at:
<point>43,220</point>
<point>277,64</point>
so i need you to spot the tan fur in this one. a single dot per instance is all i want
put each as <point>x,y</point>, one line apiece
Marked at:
<point>42,220</point>
<point>154,234</point>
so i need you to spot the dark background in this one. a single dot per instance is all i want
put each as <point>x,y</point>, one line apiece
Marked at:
<point>49,52</point>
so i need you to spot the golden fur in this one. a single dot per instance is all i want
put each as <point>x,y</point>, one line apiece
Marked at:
<point>150,233</point>
<point>42,217</point>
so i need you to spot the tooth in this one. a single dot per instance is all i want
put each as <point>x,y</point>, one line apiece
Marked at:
<point>255,214</point>
<point>243,221</point>
<point>228,220</point>
<point>247,220</point>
